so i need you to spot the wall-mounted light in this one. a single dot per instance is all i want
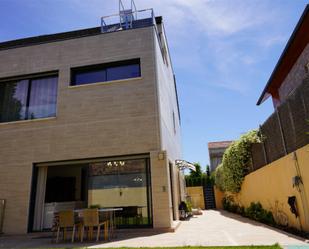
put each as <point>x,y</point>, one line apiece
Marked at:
<point>161,155</point>
<point>163,188</point>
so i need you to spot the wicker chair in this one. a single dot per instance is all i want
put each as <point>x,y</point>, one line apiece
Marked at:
<point>90,220</point>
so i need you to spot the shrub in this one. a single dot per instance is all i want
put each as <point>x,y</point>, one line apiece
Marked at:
<point>229,205</point>
<point>219,178</point>
<point>256,212</point>
<point>236,162</point>
<point>188,208</point>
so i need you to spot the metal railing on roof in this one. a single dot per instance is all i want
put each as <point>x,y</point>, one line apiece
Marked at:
<point>127,19</point>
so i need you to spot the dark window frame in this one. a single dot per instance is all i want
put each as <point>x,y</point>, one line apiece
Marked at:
<point>103,67</point>
<point>36,166</point>
<point>29,78</point>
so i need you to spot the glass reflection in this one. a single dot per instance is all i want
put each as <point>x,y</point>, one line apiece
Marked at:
<point>43,98</point>
<point>28,99</point>
<point>121,184</point>
<point>13,100</point>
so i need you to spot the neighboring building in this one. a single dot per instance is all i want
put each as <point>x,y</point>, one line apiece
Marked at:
<point>280,161</point>
<point>90,117</point>
<point>216,151</point>
<point>286,129</point>
<point>292,66</point>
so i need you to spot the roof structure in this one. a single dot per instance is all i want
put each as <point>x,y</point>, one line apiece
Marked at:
<point>220,144</point>
<point>296,44</point>
<point>36,40</point>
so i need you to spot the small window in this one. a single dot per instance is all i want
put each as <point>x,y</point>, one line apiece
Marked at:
<point>106,72</point>
<point>89,77</point>
<point>123,72</point>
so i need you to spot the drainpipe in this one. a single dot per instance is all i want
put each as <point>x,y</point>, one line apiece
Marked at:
<point>301,189</point>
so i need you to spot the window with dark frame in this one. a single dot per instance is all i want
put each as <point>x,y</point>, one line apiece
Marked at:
<point>105,72</point>
<point>28,98</point>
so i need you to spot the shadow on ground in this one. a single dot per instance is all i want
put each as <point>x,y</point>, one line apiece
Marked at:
<point>258,224</point>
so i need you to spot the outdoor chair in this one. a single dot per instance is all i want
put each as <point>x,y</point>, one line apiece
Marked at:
<point>65,221</point>
<point>90,220</point>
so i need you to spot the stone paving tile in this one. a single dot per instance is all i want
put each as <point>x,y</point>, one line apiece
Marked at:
<point>213,228</point>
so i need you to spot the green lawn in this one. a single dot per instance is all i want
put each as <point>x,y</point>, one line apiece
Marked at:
<point>198,247</point>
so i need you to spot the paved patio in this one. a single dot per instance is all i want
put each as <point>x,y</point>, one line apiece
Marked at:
<point>213,228</point>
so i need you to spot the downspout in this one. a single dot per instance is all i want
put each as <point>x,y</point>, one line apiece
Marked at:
<point>302,192</point>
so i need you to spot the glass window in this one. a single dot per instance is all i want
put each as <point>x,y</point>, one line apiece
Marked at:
<point>43,98</point>
<point>28,99</point>
<point>13,100</point>
<point>106,72</point>
<point>123,184</point>
<point>89,77</point>
<point>123,72</point>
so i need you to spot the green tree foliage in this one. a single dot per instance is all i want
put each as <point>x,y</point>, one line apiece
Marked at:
<point>195,178</point>
<point>208,170</point>
<point>198,177</point>
<point>219,178</point>
<point>236,162</point>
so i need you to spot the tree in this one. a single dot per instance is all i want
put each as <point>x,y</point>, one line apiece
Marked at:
<point>195,178</point>
<point>208,170</point>
<point>198,171</point>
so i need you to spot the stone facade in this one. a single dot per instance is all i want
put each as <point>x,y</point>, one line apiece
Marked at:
<point>98,120</point>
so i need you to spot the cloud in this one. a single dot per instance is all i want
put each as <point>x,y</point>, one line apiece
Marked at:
<point>212,17</point>
<point>227,39</point>
<point>211,40</point>
<point>273,40</point>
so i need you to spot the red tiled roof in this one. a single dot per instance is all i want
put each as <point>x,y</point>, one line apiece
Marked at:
<point>219,144</point>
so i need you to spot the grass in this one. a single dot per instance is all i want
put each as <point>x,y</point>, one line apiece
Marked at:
<point>276,246</point>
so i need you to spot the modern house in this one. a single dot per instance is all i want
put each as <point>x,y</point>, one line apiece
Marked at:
<point>216,151</point>
<point>292,67</point>
<point>90,117</point>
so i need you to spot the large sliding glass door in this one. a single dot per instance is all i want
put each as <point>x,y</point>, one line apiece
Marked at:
<point>104,183</point>
<point>124,184</point>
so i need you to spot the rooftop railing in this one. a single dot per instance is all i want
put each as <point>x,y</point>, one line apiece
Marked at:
<point>127,19</point>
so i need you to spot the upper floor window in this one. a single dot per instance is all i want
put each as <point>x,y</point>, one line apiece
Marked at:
<point>106,72</point>
<point>28,98</point>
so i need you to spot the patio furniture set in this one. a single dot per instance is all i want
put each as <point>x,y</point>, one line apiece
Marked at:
<point>85,220</point>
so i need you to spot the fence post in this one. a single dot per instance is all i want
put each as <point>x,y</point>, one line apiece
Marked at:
<point>304,105</point>
<point>264,149</point>
<point>281,132</point>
